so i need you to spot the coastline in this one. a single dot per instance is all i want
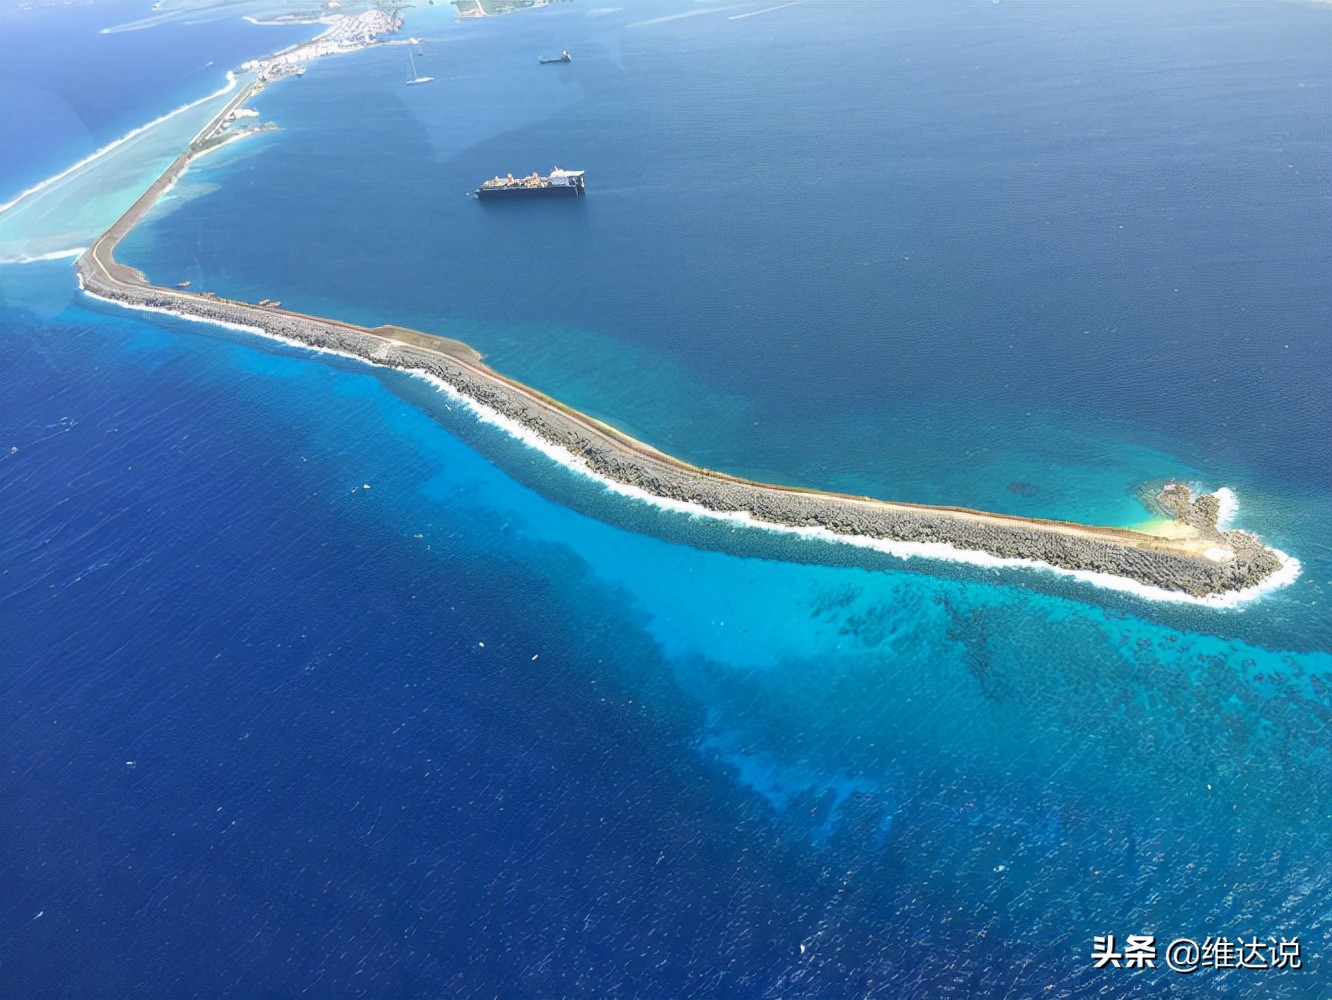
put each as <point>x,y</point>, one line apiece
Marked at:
<point>345,33</point>
<point>101,151</point>
<point>1199,561</point>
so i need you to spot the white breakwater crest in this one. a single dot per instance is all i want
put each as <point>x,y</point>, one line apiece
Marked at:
<point>117,143</point>
<point>905,550</point>
<point>941,551</point>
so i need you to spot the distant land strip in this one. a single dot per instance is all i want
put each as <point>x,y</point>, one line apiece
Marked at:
<point>1199,561</point>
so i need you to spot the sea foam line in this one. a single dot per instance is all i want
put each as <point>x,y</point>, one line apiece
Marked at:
<point>939,551</point>
<point>98,154</point>
<point>52,255</point>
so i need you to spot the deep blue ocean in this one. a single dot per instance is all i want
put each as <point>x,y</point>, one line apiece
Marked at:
<point>312,684</point>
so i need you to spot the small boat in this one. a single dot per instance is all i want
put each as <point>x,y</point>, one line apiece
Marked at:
<point>182,284</point>
<point>416,78</point>
<point>563,57</point>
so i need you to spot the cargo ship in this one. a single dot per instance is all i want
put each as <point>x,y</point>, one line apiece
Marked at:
<point>557,182</point>
<point>563,57</point>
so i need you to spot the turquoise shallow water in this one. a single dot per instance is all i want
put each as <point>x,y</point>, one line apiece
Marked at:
<point>480,729</point>
<point>70,85</point>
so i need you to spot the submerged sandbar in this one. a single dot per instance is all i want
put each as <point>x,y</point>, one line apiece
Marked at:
<point>1195,559</point>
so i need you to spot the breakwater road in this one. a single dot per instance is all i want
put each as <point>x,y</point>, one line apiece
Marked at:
<point>1203,561</point>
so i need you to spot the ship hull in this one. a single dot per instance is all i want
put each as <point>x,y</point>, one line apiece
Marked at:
<point>553,191</point>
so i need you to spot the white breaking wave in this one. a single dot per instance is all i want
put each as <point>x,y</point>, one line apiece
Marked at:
<point>281,24</point>
<point>940,551</point>
<point>1227,507</point>
<point>98,154</point>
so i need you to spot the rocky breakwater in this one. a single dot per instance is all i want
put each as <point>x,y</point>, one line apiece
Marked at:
<point>1202,561</point>
<point>1198,560</point>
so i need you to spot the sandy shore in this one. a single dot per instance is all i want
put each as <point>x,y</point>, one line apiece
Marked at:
<point>1196,558</point>
<point>345,33</point>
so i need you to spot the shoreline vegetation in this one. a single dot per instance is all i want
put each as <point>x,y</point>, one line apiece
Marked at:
<point>1195,559</point>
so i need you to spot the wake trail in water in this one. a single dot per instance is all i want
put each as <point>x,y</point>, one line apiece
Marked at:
<point>38,258</point>
<point>765,10</point>
<point>680,17</point>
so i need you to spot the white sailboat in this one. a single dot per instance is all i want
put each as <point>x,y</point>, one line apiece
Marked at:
<point>415,77</point>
